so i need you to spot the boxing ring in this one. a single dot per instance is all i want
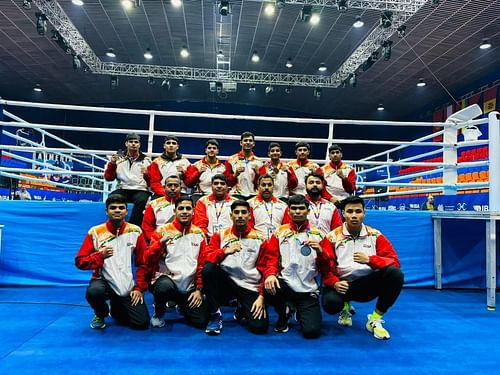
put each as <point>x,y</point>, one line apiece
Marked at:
<point>31,160</point>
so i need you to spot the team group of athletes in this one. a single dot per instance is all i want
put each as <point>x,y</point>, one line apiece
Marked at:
<point>255,232</point>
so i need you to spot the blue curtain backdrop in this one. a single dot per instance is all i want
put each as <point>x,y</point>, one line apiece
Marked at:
<point>41,239</point>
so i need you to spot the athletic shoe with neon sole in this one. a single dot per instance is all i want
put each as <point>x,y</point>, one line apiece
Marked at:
<point>375,326</point>
<point>97,323</point>
<point>157,322</point>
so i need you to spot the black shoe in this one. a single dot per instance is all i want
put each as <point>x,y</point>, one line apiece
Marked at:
<point>239,313</point>
<point>282,322</point>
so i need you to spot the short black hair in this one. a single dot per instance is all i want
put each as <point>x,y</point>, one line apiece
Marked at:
<point>183,198</point>
<point>351,199</point>
<point>212,141</point>
<point>247,134</point>
<point>334,147</point>
<point>302,144</point>
<point>240,202</point>
<point>297,200</point>
<point>261,177</point>
<point>116,198</point>
<point>219,176</point>
<point>273,144</point>
<point>315,174</point>
<point>171,138</point>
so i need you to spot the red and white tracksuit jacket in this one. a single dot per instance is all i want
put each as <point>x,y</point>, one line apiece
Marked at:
<point>244,184</point>
<point>302,168</point>
<point>267,216</point>
<point>244,267</point>
<point>162,167</point>
<point>323,215</point>
<point>371,242</point>
<point>335,186</point>
<point>179,258</point>
<point>202,181</point>
<point>212,215</point>
<point>286,261</point>
<point>158,212</point>
<point>283,181</point>
<point>129,172</point>
<point>126,241</point>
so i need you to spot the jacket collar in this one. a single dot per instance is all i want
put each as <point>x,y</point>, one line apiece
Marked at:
<point>304,226</point>
<point>112,229</point>
<point>168,158</point>
<point>362,233</point>
<point>180,227</point>
<point>245,232</point>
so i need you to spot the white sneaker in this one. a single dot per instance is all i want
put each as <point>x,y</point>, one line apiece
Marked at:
<point>345,318</point>
<point>375,326</point>
<point>157,322</point>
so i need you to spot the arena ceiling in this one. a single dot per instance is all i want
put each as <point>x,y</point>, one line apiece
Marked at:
<point>440,46</point>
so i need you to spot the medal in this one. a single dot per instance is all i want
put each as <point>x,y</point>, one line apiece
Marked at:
<point>305,250</point>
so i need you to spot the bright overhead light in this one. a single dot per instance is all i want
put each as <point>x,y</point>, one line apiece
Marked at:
<point>421,83</point>
<point>288,89</point>
<point>401,31</point>
<point>184,52</point>
<point>176,3</point>
<point>251,88</point>
<point>151,80</point>
<point>485,44</point>
<point>77,2</point>
<point>380,107</point>
<point>148,55</point>
<point>37,88</point>
<point>165,84</point>
<point>322,67</point>
<point>110,53</point>
<point>220,55</point>
<point>127,4</point>
<point>269,89</point>
<point>289,64</point>
<point>386,19</point>
<point>315,18</point>
<point>182,83</point>
<point>41,23</point>
<point>269,9</point>
<point>27,4</point>
<point>255,57</point>
<point>358,23</point>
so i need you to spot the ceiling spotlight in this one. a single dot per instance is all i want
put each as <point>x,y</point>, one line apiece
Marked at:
<point>41,23</point>
<point>165,84</point>
<point>77,63</point>
<point>367,64</point>
<point>129,4</point>
<point>386,49</point>
<point>353,79</point>
<point>434,3</point>
<point>224,7</point>
<point>288,89</point>
<point>317,93</point>
<point>110,53</point>
<point>182,83</point>
<point>358,22</point>
<point>322,67</point>
<point>184,52</point>
<point>315,18</point>
<point>305,13</point>
<point>386,19</point>
<point>151,80</point>
<point>380,107</point>
<point>176,3</point>
<point>289,64</point>
<point>251,88</point>
<point>27,4</point>
<point>220,55</point>
<point>401,31</point>
<point>269,89</point>
<point>148,55</point>
<point>77,2</point>
<point>342,5</point>
<point>421,83</point>
<point>485,44</point>
<point>37,88</point>
<point>114,82</point>
<point>375,55</point>
<point>55,35</point>
<point>280,4</point>
<point>269,9</point>
<point>255,57</point>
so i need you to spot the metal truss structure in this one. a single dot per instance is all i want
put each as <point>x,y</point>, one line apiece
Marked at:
<point>401,10</point>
